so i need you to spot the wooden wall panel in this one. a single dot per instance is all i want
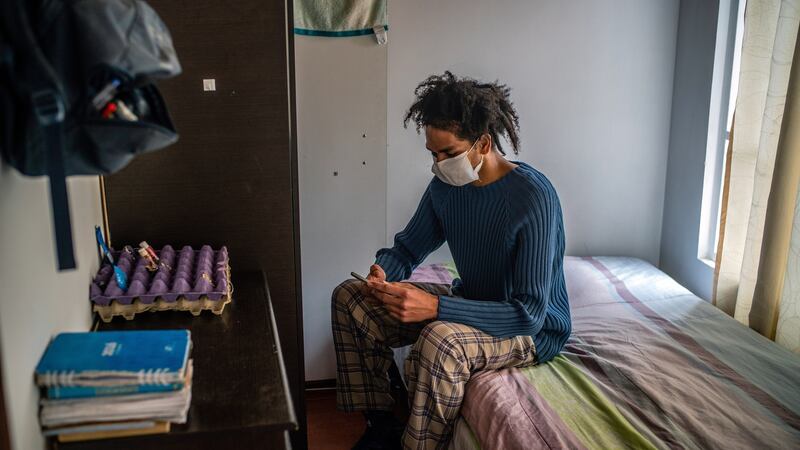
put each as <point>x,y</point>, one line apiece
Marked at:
<point>231,178</point>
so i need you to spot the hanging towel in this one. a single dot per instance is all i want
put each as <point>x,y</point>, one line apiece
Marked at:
<point>339,17</point>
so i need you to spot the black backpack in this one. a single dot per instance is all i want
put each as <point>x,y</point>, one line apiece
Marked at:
<point>76,92</point>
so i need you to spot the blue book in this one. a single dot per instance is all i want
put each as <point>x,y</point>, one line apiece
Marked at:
<point>115,358</point>
<point>104,391</point>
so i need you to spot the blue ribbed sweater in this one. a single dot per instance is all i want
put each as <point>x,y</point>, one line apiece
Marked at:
<point>507,240</point>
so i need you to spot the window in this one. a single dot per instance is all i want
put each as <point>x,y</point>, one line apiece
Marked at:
<point>724,86</point>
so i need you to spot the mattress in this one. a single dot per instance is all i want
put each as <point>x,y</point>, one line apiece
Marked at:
<point>648,365</point>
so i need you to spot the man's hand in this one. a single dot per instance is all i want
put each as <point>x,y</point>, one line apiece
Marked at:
<point>376,273</point>
<point>406,302</point>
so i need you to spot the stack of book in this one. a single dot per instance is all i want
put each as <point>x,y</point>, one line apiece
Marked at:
<point>116,383</point>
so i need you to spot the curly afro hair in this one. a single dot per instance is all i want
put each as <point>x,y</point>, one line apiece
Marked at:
<point>466,107</point>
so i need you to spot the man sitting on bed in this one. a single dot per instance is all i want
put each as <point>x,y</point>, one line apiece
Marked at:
<point>502,221</point>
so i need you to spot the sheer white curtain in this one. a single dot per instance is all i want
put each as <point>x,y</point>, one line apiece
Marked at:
<point>753,259</point>
<point>787,331</point>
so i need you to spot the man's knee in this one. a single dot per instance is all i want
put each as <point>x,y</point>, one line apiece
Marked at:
<point>438,350</point>
<point>439,338</point>
<point>346,292</point>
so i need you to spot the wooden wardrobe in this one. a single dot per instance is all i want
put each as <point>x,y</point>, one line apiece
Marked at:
<point>232,177</point>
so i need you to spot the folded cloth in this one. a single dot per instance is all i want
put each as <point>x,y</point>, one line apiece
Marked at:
<point>339,18</point>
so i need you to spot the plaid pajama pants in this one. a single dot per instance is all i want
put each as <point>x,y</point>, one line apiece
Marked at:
<point>443,357</point>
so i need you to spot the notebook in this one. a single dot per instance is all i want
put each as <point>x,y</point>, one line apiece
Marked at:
<point>104,391</point>
<point>166,407</point>
<point>156,428</point>
<point>95,427</point>
<point>115,358</point>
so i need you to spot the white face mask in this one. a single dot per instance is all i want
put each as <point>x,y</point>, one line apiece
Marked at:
<point>457,171</point>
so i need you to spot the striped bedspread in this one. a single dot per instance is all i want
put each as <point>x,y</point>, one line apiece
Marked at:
<point>649,365</point>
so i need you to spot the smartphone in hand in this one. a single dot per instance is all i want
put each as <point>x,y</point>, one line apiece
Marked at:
<point>358,277</point>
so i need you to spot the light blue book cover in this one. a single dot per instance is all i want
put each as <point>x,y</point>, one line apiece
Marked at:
<point>114,358</point>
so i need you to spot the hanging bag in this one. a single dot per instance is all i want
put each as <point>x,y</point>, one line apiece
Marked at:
<point>77,94</point>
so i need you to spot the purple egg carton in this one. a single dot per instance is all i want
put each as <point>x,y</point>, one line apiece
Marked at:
<point>191,274</point>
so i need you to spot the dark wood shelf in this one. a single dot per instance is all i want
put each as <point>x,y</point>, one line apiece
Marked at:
<point>240,394</point>
<point>231,179</point>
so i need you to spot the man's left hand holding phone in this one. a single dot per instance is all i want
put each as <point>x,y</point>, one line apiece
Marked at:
<point>406,302</point>
<point>376,274</point>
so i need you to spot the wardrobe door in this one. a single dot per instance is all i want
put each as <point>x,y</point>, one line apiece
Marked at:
<point>231,178</point>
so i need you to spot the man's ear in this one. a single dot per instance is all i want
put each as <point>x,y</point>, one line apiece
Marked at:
<point>485,146</point>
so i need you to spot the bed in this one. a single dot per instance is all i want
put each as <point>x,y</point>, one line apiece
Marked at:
<point>649,365</point>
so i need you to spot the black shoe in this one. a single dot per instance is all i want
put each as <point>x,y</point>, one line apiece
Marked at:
<point>383,432</point>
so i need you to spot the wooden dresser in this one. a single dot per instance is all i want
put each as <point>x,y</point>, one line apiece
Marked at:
<point>231,179</point>
<point>240,395</point>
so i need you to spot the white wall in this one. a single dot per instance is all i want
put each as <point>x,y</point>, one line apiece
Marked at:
<point>592,82</point>
<point>36,301</point>
<point>341,97</point>
<point>687,152</point>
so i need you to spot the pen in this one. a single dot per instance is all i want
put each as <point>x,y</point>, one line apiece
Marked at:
<point>122,279</point>
<point>105,94</point>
